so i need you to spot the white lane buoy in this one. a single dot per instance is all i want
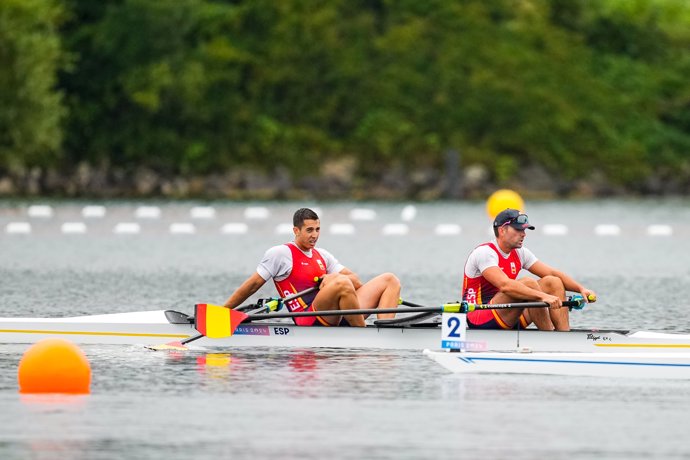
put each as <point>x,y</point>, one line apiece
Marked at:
<point>202,212</point>
<point>73,228</point>
<point>362,214</point>
<point>234,228</point>
<point>127,228</point>
<point>395,229</point>
<point>342,229</point>
<point>148,212</point>
<point>408,213</point>
<point>93,211</point>
<point>659,230</point>
<point>284,229</point>
<point>182,228</point>
<point>257,213</point>
<point>447,229</point>
<point>607,230</point>
<point>40,210</point>
<point>18,228</point>
<point>555,229</point>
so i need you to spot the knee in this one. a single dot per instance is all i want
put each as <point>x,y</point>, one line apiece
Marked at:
<point>342,283</point>
<point>551,283</point>
<point>391,280</point>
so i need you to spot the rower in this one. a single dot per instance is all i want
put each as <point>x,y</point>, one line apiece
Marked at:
<point>296,265</point>
<point>490,276</point>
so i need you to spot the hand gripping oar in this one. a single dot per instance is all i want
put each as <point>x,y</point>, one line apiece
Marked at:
<point>215,321</point>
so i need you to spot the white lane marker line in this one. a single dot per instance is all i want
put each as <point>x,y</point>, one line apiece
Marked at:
<point>18,228</point>
<point>257,212</point>
<point>148,212</point>
<point>395,229</point>
<point>40,210</point>
<point>362,214</point>
<point>607,230</point>
<point>127,228</point>
<point>342,229</point>
<point>555,229</point>
<point>202,212</point>
<point>73,228</point>
<point>235,228</point>
<point>447,229</point>
<point>93,211</point>
<point>408,213</point>
<point>659,230</point>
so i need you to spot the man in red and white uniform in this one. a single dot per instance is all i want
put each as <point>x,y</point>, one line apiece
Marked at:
<point>294,266</point>
<point>491,276</point>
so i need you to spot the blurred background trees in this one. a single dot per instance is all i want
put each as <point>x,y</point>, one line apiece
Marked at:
<point>576,89</point>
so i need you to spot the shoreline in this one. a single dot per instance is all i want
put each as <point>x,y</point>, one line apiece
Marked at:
<point>246,183</point>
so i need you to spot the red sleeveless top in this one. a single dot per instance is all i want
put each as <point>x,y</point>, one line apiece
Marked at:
<point>304,271</point>
<point>478,290</point>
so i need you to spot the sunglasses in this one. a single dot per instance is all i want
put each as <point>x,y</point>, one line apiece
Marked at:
<point>520,219</point>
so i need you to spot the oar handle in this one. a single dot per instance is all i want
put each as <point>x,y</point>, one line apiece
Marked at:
<point>410,304</point>
<point>466,307</point>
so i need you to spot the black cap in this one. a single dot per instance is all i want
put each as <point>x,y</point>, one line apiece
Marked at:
<point>511,215</point>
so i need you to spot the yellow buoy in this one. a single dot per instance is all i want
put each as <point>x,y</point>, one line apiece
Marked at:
<point>54,366</point>
<point>502,199</point>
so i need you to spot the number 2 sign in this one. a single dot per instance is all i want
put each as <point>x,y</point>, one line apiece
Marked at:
<point>453,330</point>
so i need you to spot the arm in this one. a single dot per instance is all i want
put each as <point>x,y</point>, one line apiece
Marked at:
<point>541,269</point>
<point>249,287</point>
<point>516,289</point>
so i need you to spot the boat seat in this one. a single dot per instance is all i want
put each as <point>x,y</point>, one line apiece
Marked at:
<point>176,317</point>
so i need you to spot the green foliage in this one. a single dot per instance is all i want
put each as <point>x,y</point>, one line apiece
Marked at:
<point>31,107</point>
<point>197,86</point>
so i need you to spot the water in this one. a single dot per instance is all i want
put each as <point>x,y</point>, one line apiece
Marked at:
<point>335,403</point>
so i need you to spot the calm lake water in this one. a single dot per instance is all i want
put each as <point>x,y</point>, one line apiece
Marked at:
<point>334,403</point>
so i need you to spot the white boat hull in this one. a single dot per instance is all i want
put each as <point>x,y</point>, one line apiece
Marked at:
<point>656,365</point>
<point>153,328</point>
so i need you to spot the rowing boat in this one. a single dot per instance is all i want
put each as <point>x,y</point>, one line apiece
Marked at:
<point>657,365</point>
<point>162,326</point>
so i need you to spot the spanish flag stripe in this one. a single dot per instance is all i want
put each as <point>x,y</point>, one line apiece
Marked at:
<point>200,318</point>
<point>217,322</point>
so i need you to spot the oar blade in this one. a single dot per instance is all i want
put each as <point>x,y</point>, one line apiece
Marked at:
<point>216,322</point>
<point>212,321</point>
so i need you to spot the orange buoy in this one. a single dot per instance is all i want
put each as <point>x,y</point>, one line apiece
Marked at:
<point>54,366</point>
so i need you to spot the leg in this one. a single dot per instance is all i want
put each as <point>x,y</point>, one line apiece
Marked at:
<point>380,292</point>
<point>561,316</point>
<point>338,294</point>
<point>539,316</point>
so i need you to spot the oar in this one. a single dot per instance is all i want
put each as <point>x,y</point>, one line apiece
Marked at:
<point>410,304</point>
<point>457,307</point>
<point>575,301</point>
<point>217,322</point>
